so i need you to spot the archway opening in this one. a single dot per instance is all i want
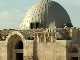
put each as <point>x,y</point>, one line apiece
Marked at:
<point>74,50</point>
<point>19,49</point>
<point>19,56</point>
<point>74,58</point>
<point>15,48</point>
<point>19,45</point>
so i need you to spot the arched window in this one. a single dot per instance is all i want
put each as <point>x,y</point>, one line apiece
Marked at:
<point>74,50</point>
<point>34,25</point>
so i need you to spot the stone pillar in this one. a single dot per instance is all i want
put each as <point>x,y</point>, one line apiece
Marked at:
<point>51,37</point>
<point>54,39</point>
<point>39,37</point>
<point>44,38</point>
<point>46,35</point>
<point>36,37</point>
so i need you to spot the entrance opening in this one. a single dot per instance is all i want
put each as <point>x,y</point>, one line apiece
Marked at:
<point>74,50</point>
<point>19,49</point>
<point>74,58</point>
<point>19,56</point>
<point>19,45</point>
<point>15,48</point>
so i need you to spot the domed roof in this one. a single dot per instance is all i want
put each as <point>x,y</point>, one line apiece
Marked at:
<point>46,14</point>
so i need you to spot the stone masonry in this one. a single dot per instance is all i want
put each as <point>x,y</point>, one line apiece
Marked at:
<point>40,44</point>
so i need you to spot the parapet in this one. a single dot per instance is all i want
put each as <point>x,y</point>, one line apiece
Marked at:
<point>4,33</point>
<point>51,35</point>
<point>43,35</point>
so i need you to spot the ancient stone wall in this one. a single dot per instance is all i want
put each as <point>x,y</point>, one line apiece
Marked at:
<point>50,48</point>
<point>76,35</point>
<point>53,51</point>
<point>45,45</point>
<point>3,51</point>
<point>28,50</point>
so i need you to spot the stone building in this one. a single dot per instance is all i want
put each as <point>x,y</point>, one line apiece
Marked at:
<point>46,33</point>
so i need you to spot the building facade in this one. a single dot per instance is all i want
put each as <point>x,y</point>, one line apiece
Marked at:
<point>46,33</point>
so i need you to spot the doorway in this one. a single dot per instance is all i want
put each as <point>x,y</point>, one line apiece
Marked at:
<point>15,47</point>
<point>19,56</point>
<point>74,50</point>
<point>19,50</point>
<point>74,58</point>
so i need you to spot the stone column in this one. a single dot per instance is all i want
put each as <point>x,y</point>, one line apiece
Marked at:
<point>46,35</point>
<point>39,37</point>
<point>51,37</point>
<point>36,37</point>
<point>54,39</point>
<point>44,38</point>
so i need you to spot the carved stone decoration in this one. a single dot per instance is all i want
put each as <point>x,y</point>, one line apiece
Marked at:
<point>58,36</point>
<point>63,34</point>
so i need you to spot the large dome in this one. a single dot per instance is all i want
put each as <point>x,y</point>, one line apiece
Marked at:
<point>46,14</point>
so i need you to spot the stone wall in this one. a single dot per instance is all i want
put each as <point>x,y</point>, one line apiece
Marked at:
<point>3,51</point>
<point>52,51</point>
<point>28,50</point>
<point>76,35</point>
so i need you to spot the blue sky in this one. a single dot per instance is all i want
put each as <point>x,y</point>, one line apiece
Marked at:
<point>12,12</point>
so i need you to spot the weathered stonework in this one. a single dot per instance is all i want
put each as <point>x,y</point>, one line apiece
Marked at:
<point>46,33</point>
<point>44,45</point>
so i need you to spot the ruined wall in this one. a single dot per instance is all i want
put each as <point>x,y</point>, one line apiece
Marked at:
<point>3,51</point>
<point>52,51</point>
<point>49,48</point>
<point>45,47</point>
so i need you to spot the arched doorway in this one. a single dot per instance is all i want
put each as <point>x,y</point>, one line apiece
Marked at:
<point>74,50</point>
<point>19,50</point>
<point>15,48</point>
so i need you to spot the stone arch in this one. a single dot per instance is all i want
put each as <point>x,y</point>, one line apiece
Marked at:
<point>21,34</point>
<point>12,39</point>
<point>74,48</point>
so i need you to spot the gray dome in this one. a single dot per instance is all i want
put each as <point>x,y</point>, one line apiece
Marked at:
<point>46,14</point>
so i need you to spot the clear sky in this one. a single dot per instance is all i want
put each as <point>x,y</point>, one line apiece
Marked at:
<point>12,12</point>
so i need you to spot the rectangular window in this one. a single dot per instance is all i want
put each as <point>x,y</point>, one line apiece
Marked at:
<point>31,25</point>
<point>37,25</point>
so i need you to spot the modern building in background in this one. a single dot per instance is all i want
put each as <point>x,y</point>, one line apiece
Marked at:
<point>46,33</point>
